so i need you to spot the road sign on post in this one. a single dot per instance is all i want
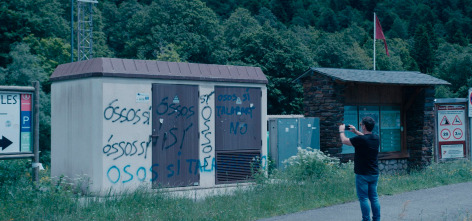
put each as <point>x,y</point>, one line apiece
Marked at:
<point>15,122</point>
<point>19,123</point>
<point>451,127</point>
<point>470,102</point>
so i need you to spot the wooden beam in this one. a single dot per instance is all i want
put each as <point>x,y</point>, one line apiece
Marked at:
<point>413,98</point>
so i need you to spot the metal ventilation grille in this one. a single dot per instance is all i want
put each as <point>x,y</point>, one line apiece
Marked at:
<point>235,166</point>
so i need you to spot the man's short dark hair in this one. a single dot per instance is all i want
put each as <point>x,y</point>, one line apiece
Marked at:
<point>369,123</point>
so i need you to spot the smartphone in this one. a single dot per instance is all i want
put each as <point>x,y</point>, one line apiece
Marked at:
<point>346,127</point>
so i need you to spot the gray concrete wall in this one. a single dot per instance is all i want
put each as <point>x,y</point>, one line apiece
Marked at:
<point>76,129</point>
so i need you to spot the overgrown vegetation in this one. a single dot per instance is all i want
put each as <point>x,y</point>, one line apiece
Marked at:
<point>324,183</point>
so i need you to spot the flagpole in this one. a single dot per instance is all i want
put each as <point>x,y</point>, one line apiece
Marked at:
<point>374,41</point>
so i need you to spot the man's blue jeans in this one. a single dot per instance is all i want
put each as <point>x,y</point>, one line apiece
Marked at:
<point>366,186</point>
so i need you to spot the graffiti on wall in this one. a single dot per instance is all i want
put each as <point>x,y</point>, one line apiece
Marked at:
<point>234,105</point>
<point>127,173</point>
<point>116,174</point>
<point>174,136</point>
<point>207,144</point>
<point>174,108</point>
<point>114,113</point>
<point>118,147</point>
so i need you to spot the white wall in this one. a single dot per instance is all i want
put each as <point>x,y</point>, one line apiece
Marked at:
<point>264,151</point>
<point>206,121</point>
<point>101,128</point>
<point>126,118</point>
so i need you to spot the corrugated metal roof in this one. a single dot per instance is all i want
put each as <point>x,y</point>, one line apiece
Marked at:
<point>378,77</point>
<point>129,68</point>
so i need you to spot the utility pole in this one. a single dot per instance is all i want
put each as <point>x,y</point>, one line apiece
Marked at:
<point>85,29</point>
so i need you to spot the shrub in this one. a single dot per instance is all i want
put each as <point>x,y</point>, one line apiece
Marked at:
<point>12,171</point>
<point>311,164</point>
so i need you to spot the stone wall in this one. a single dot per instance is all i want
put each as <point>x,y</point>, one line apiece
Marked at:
<point>420,127</point>
<point>324,98</point>
<point>395,166</point>
<point>428,127</point>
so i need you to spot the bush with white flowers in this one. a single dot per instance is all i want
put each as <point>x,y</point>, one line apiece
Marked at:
<point>311,164</point>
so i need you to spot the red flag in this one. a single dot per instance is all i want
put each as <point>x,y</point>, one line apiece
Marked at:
<point>379,33</point>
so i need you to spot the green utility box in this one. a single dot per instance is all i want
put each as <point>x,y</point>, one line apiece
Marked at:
<point>287,133</point>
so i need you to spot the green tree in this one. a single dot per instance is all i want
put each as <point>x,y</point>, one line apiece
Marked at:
<point>399,59</point>
<point>23,69</point>
<point>115,18</point>
<point>51,52</point>
<point>100,47</point>
<point>190,25</point>
<point>18,19</point>
<point>401,48</point>
<point>222,8</point>
<point>456,68</point>
<point>240,23</point>
<point>399,29</point>
<point>282,9</point>
<point>423,51</point>
<point>340,50</point>
<point>328,21</point>
<point>265,15</point>
<point>168,53</point>
<point>283,57</point>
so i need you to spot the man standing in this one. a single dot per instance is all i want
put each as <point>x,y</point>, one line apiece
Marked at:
<point>366,167</point>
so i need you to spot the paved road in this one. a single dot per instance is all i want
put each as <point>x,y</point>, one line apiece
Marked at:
<point>452,202</point>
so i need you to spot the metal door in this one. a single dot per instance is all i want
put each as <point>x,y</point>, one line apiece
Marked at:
<point>287,139</point>
<point>238,133</point>
<point>309,132</point>
<point>175,135</point>
<point>238,118</point>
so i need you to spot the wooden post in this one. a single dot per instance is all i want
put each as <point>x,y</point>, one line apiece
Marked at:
<point>36,133</point>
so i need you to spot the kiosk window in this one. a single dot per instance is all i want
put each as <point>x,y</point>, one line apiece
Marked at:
<point>387,125</point>
<point>390,132</point>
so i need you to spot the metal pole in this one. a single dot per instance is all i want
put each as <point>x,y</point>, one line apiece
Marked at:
<point>374,40</point>
<point>469,133</point>
<point>36,133</point>
<point>72,31</point>
<point>469,145</point>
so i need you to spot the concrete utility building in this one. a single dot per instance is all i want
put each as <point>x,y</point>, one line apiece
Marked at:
<point>125,123</point>
<point>401,103</point>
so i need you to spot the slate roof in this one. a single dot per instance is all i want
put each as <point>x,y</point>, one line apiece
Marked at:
<point>378,77</point>
<point>130,68</point>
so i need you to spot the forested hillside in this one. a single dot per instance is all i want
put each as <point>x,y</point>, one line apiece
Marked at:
<point>283,37</point>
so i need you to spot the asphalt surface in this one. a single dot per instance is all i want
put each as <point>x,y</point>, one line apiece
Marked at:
<point>451,202</point>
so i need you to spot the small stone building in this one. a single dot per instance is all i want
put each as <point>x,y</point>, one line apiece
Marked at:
<point>401,102</point>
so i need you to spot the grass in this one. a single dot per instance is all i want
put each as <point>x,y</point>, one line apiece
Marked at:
<point>287,192</point>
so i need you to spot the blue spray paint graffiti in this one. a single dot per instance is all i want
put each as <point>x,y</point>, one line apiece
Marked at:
<point>207,145</point>
<point>232,104</point>
<point>128,173</point>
